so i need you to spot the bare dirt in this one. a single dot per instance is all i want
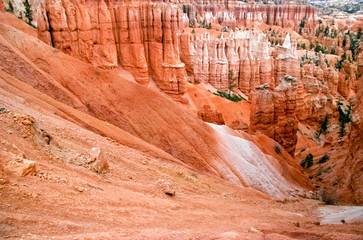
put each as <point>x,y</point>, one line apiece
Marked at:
<point>146,193</point>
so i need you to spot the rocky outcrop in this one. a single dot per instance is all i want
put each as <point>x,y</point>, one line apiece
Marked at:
<point>356,148</point>
<point>347,79</point>
<point>22,166</point>
<point>242,54</point>
<point>320,84</point>
<point>19,8</point>
<point>360,59</point>
<point>237,13</point>
<point>98,160</point>
<point>2,8</point>
<point>150,40</point>
<point>274,112</point>
<point>144,39</point>
<point>351,176</point>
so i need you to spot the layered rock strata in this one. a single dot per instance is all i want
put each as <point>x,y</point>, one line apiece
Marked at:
<point>238,14</point>
<point>144,38</point>
<point>150,40</point>
<point>274,112</point>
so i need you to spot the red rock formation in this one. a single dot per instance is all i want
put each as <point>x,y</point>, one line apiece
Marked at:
<point>349,176</point>
<point>360,59</point>
<point>144,39</point>
<point>171,130</point>
<point>2,8</point>
<point>355,159</point>
<point>236,13</point>
<point>274,112</point>
<point>243,53</point>
<point>320,85</point>
<point>149,40</point>
<point>347,79</point>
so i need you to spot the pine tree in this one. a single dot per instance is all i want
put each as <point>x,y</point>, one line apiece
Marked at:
<point>10,9</point>
<point>28,12</point>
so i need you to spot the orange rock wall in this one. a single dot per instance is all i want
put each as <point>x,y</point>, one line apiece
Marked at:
<point>149,40</point>
<point>144,38</point>
<point>274,112</point>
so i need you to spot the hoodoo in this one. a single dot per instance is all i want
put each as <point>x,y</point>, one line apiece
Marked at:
<point>161,116</point>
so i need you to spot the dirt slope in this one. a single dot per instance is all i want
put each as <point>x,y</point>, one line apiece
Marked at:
<point>66,199</point>
<point>145,113</point>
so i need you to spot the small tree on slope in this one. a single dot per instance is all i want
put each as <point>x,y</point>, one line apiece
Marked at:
<point>28,12</point>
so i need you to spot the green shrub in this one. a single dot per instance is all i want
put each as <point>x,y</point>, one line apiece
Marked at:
<point>326,31</point>
<point>344,117</point>
<point>307,162</point>
<point>323,126</point>
<point>354,45</point>
<point>302,25</point>
<point>10,9</point>
<point>303,46</point>
<point>324,159</point>
<point>338,65</point>
<point>319,48</point>
<point>28,12</point>
<point>277,149</point>
<point>230,96</point>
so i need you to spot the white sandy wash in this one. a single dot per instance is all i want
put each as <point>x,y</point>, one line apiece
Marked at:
<point>252,166</point>
<point>341,214</point>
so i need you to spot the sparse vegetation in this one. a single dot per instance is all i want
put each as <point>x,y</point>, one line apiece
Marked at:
<point>303,46</point>
<point>308,161</point>
<point>327,198</point>
<point>233,97</point>
<point>338,65</point>
<point>10,8</point>
<point>326,31</point>
<point>311,46</point>
<point>231,81</point>
<point>28,12</point>
<point>324,159</point>
<point>354,45</point>
<point>277,149</point>
<point>323,127</point>
<point>302,25</point>
<point>319,48</point>
<point>231,85</point>
<point>333,33</point>
<point>344,117</point>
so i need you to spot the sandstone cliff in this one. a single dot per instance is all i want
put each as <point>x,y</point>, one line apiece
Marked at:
<point>2,8</point>
<point>151,40</point>
<point>143,39</point>
<point>351,178</point>
<point>274,112</point>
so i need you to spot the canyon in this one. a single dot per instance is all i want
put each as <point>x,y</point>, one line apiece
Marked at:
<point>152,108</point>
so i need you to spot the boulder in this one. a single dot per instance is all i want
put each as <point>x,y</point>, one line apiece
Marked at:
<point>22,166</point>
<point>99,162</point>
